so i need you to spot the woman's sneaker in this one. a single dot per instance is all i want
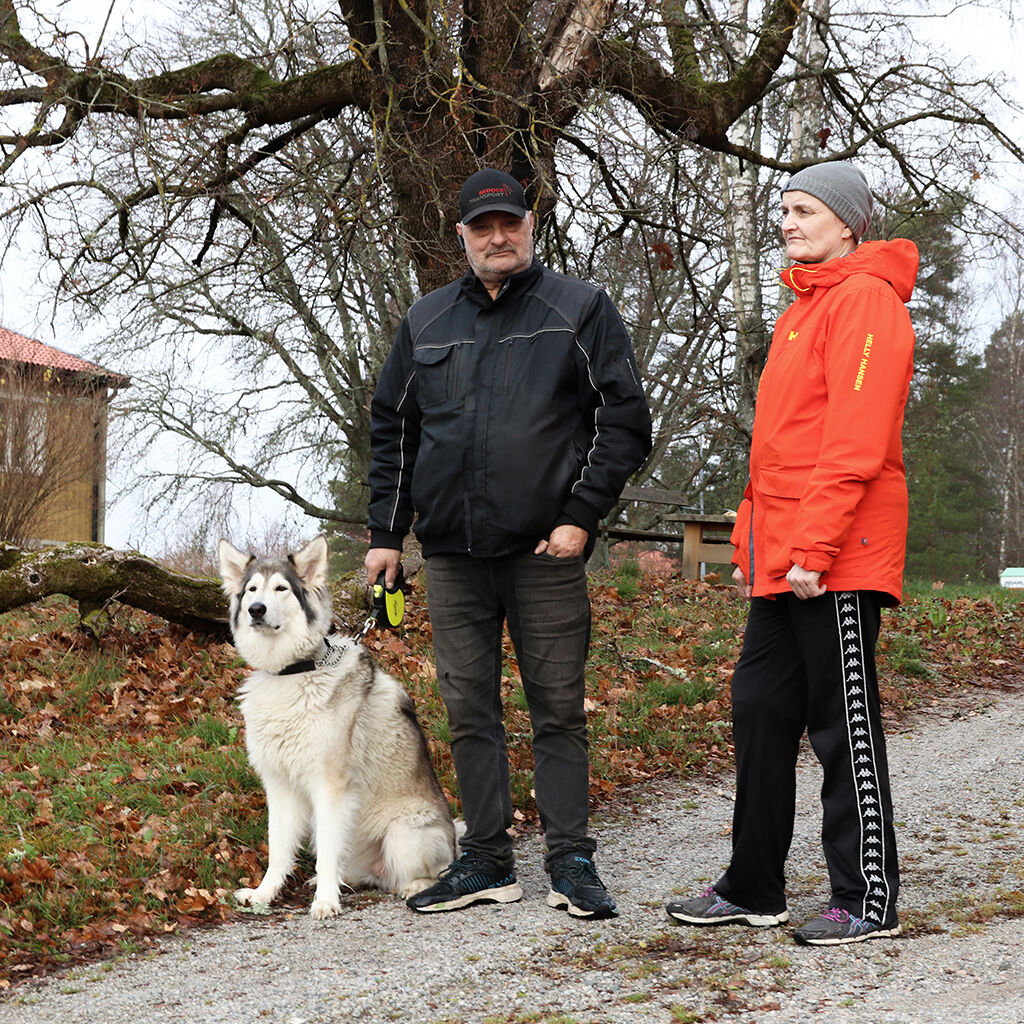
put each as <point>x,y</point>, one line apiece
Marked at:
<point>836,927</point>
<point>470,879</point>
<point>710,908</point>
<point>576,887</point>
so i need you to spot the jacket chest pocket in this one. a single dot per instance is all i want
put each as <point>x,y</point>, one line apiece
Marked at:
<point>438,373</point>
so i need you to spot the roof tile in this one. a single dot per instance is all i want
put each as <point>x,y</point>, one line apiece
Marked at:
<point>17,348</point>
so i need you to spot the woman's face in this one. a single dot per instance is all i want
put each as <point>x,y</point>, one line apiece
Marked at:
<point>811,231</point>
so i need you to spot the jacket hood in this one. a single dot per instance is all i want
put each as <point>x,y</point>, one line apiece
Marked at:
<point>894,261</point>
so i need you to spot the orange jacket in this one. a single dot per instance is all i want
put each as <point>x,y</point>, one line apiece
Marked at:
<point>827,485</point>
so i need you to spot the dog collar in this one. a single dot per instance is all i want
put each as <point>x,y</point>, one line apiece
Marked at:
<point>331,656</point>
<point>299,666</point>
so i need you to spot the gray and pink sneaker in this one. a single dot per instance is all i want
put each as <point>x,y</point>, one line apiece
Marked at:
<point>710,908</point>
<point>836,927</point>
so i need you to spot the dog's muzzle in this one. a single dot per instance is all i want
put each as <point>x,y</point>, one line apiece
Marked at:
<point>257,610</point>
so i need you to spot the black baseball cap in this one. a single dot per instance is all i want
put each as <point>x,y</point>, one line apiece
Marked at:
<point>491,190</point>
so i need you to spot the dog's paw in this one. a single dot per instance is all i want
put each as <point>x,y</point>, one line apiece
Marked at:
<point>414,886</point>
<point>254,900</point>
<point>323,909</point>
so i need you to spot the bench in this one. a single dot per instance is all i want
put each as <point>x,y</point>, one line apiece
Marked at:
<point>704,538</point>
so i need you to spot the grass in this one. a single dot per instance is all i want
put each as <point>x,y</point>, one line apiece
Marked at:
<point>685,1016</point>
<point>127,807</point>
<point>906,656</point>
<point>628,579</point>
<point>969,914</point>
<point>120,783</point>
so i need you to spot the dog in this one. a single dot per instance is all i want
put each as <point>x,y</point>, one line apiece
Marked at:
<point>334,740</point>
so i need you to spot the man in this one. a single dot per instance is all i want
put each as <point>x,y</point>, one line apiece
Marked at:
<point>508,417</point>
<point>820,541</point>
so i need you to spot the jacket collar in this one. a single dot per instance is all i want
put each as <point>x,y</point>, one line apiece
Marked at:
<point>895,261</point>
<point>514,285</point>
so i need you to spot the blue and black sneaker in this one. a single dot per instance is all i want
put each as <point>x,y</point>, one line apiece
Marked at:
<point>470,879</point>
<point>576,887</point>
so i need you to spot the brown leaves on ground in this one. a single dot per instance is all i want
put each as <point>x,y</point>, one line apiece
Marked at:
<point>116,798</point>
<point>127,809</point>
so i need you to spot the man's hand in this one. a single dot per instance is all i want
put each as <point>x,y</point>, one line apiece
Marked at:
<point>384,560</point>
<point>805,583</point>
<point>745,589</point>
<point>566,541</point>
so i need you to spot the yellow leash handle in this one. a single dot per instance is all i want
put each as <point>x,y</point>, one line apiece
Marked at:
<point>389,602</point>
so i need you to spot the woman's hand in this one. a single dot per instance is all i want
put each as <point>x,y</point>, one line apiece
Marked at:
<point>745,589</point>
<point>805,583</point>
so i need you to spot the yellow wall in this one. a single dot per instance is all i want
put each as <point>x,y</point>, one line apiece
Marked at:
<point>68,516</point>
<point>73,470</point>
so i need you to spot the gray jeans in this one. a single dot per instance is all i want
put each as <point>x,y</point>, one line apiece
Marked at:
<point>545,601</point>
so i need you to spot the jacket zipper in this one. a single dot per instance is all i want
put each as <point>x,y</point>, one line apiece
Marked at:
<point>452,380</point>
<point>750,544</point>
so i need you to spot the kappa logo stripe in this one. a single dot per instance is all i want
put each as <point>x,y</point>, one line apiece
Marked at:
<point>862,759</point>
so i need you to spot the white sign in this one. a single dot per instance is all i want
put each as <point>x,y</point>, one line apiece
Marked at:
<point>1013,578</point>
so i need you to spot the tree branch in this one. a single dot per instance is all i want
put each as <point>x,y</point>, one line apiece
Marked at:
<point>223,83</point>
<point>689,105</point>
<point>92,575</point>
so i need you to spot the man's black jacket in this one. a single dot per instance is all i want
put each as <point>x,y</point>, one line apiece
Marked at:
<point>499,420</point>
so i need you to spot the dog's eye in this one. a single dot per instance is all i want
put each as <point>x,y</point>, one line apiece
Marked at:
<point>251,588</point>
<point>281,587</point>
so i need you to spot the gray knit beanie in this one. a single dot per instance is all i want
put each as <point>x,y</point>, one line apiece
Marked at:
<point>842,188</point>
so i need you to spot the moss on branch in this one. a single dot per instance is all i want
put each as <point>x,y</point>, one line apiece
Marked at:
<point>94,575</point>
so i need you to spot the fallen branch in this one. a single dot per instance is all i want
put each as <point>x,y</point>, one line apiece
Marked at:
<point>94,575</point>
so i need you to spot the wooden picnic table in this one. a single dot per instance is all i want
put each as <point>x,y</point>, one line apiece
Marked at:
<point>704,538</point>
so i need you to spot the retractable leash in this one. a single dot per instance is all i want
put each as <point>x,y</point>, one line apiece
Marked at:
<point>388,605</point>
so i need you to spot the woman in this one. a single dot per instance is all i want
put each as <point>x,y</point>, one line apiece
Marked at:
<point>820,540</point>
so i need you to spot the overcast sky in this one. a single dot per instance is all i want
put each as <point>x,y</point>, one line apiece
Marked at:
<point>990,38</point>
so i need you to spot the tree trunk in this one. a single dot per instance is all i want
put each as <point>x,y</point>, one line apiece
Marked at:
<point>740,182</point>
<point>810,131</point>
<point>94,575</point>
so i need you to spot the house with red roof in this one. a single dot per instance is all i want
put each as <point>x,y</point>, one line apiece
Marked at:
<point>53,442</point>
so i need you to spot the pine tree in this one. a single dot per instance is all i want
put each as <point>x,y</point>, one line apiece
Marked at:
<point>1004,364</point>
<point>952,501</point>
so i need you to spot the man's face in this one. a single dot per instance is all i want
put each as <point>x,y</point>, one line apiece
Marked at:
<point>498,244</point>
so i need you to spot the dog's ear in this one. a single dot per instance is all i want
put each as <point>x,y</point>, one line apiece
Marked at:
<point>311,562</point>
<point>233,564</point>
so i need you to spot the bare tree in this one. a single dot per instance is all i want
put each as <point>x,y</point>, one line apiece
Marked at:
<point>258,192</point>
<point>442,88</point>
<point>746,238</point>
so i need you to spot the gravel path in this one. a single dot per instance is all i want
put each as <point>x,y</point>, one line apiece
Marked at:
<point>957,785</point>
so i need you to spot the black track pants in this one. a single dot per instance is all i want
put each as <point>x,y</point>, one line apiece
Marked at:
<point>811,664</point>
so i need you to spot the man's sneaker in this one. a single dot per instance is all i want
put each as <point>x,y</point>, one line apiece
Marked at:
<point>710,908</point>
<point>470,879</point>
<point>836,927</point>
<point>576,887</point>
